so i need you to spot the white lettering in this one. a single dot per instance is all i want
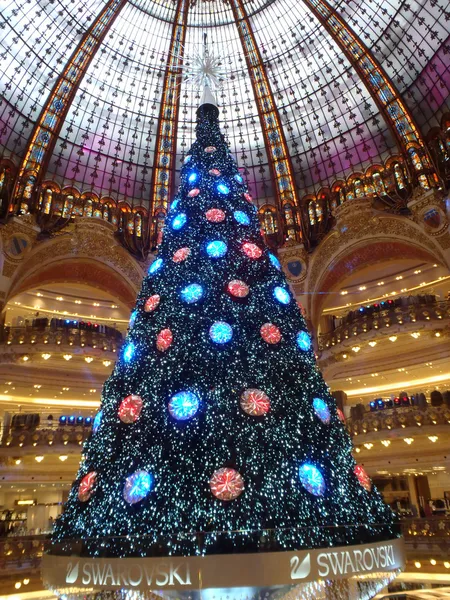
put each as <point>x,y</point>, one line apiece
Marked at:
<point>161,570</point>
<point>324,569</point>
<point>348,562</point>
<point>86,574</point>
<point>336,566</point>
<point>357,554</point>
<point>121,575</point>
<point>149,575</point>
<point>366,553</point>
<point>108,574</point>
<point>136,580</point>
<point>174,573</point>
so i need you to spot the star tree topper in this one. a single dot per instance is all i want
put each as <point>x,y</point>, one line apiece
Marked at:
<point>204,69</point>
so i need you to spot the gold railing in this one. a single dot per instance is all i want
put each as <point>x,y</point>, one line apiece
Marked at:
<point>49,437</point>
<point>399,418</point>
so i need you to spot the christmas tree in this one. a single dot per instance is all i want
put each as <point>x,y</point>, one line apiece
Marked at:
<point>217,432</point>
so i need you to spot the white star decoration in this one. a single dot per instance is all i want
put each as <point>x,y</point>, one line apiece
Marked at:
<point>204,69</point>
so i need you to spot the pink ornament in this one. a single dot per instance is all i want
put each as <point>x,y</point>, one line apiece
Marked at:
<point>262,232</point>
<point>181,255</point>
<point>226,484</point>
<point>248,197</point>
<point>215,215</point>
<point>164,340</point>
<point>210,149</point>
<point>238,288</point>
<point>214,172</point>
<point>363,478</point>
<point>86,487</point>
<point>255,403</point>
<point>341,415</point>
<point>152,303</point>
<point>270,333</point>
<point>194,192</point>
<point>252,250</point>
<point>130,409</point>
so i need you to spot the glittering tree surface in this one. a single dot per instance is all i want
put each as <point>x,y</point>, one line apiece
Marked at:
<point>217,432</point>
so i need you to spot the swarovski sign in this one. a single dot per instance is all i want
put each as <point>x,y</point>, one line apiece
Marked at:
<point>69,573</point>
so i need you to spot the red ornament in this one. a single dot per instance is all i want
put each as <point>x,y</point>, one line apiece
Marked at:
<point>226,484</point>
<point>214,172</point>
<point>248,198</point>
<point>252,250</point>
<point>270,333</point>
<point>341,415</point>
<point>363,478</point>
<point>215,215</point>
<point>181,255</point>
<point>86,487</point>
<point>152,302</point>
<point>255,403</point>
<point>194,192</point>
<point>210,149</point>
<point>238,288</point>
<point>130,409</point>
<point>164,340</point>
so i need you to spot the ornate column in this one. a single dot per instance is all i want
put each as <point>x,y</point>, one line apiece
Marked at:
<point>48,126</point>
<point>166,138</point>
<point>274,138</point>
<point>395,113</point>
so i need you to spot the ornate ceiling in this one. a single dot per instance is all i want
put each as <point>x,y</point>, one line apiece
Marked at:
<point>330,123</point>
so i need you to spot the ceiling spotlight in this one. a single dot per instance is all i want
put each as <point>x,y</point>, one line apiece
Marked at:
<point>39,458</point>
<point>415,334</point>
<point>106,363</point>
<point>67,356</point>
<point>63,457</point>
<point>88,359</point>
<point>433,562</point>
<point>437,333</point>
<point>409,441</point>
<point>26,581</point>
<point>372,344</point>
<point>344,292</point>
<point>37,386</point>
<point>386,443</point>
<point>46,356</point>
<point>25,358</point>
<point>447,565</point>
<point>18,585</point>
<point>18,461</point>
<point>417,564</point>
<point>344,356</point>
<point>356,348</point>
<point>433,438</point>
<point>393,338</point>
<point>368,446</point>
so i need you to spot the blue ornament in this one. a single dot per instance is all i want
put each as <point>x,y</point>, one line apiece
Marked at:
<point>174,204</point>
<point>97,421</point>
<point>220,332</point>
<point>282,295</point>
<point>303,341</point>
<point>192,178</point>
<point>321,409</point>
<point>312,479</point>
<point>184,405</point>
<point>223,189</point>
<point>155,266</point>
<point>179,221</point>
<point>216,249</point>
<point>137,486</point>
<point>274,261</point>
<point>133,316</point>
<point>238,178</point>
<point>128,352</point>
<point>192,293</point>
<point>241,217</point>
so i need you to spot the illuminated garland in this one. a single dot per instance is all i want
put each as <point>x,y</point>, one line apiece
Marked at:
<point>237,431</point>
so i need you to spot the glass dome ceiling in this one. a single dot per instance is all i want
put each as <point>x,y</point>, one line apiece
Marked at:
<point>331,124</point>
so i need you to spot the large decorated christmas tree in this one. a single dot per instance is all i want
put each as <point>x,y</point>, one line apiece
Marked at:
<point>217,433</point>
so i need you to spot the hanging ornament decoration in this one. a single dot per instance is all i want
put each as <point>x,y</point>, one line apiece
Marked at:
<point>210,149</point>
<point>252,250</point>
<point>274,261</point>
<point>238,178</point>
<point>255,402</point>
<point>241,217</point>
<point>363,478</point>
<point>128,352</point>
<point>312,479</point>
<point>174,204</point>
<point>181,255</point>
<point>138,486</point>
<point>132,319</point>
<point>164,340</point>
<point>282,295</point>
<point>215,215</point>
<point>184,405</point>
<point>194,192</point>
<point>226,484</point>
<point>179,221</point>
<point>321,409</point>
<point>270,333</point>
<point>303,341</point>
<point>187,159</point>
<point>192,293</point>
<point>216,249</point>
<point>97,421</point>
<point>130,409</point>
<point>248,197</point>
<point>86,487</point>
<point>220,332</point>
<point>193,177</point>
<point>238,288</point>
<point>152,303</point>
<point>341,415</point>
<point>215,172</point>
<point>223,189</point>
<point>155,266</point>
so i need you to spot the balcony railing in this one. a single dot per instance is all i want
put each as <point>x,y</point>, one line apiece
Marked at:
<point>398,315</point>
<point>399,418</point>
<point>47,436</point>
<point>109,340</point>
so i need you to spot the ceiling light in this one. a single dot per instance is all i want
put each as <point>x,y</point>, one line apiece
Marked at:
<point>67,356</point>
<point>356,348</point>
<point>417,564</point>
<point>415,334</point>
<point>46,356</point>
<point>88,359</point>
<point>417,271</point>
<point>60,298</point>
<point>433,438</point>
<point>65,389</point>
<point>77,301</point>
<point>399,277</point>
<point>344,292</point>
<point>95,304</point>
<point>114,306</point>
<point>386,443</point>
<point>393,338</point>
<point>433,562</point>
<point>39,458</point>
<point>63,457</point>
<point>344,356</point>
<point>18,585</point>
<point>368,446</point>
<point>357,450</point>
<point>25,358</point>
<point>362,288</point>
<point>106,363</point>
<point>409,441</point>
<point>37,386</point>
<point>447,565</point>
<point>380,283</point>
<point>26,581</point>
<point>39,294</point>
<point>372,344</point>
<point>437,333</point>
<point>18,461</point>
